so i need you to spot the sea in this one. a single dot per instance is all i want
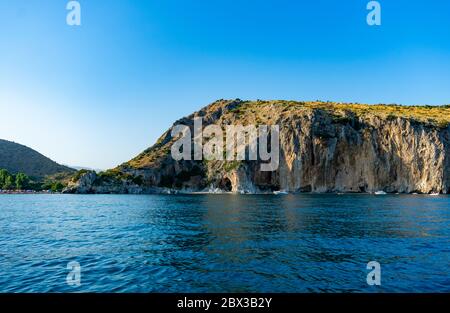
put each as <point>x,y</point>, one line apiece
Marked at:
<point>318,243</point>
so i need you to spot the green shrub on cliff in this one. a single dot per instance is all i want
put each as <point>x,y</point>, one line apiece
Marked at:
<point>115,175</point>
<point>231,165</point>
<point>54,186</point>
<point>78,175</point>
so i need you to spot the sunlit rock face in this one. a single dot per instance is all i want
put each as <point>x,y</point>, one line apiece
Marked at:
<point>365,155</point>
<point>324,147</point>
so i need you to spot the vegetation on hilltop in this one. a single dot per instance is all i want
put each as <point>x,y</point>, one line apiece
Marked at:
<point>267,110</point>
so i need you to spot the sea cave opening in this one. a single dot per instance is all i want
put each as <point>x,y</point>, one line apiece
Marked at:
<point>225,185</point>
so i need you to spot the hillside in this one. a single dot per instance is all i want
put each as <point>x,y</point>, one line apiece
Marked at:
<point>17,158</point>
<point>324,147</point>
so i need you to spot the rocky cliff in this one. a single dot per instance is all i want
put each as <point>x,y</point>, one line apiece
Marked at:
<point>324,147</point>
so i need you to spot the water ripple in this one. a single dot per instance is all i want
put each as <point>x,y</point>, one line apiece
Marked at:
<point>224,243</point>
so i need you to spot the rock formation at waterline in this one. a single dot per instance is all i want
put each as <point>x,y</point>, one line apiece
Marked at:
<point>324,147</point>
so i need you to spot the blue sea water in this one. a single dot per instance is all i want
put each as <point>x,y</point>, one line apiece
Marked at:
<point>224,243</point>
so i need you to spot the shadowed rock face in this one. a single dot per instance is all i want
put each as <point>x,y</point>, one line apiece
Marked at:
<point>324,147</point>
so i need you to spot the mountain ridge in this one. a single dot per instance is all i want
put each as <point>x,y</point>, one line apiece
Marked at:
<point>15,158</point>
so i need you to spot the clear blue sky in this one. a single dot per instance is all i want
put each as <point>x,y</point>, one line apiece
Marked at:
<point>98,94</point>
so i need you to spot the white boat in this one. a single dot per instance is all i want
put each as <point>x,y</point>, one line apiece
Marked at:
<point>380,192</point>
<point>280,192</point>
<point>434,194</point>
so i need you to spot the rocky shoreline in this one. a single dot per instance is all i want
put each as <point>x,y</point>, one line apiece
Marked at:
<point>26,192</point>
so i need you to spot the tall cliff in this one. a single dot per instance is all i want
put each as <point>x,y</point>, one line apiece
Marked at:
<point>324,147</point>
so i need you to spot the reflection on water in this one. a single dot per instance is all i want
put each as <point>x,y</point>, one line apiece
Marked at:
<point>224,243</point>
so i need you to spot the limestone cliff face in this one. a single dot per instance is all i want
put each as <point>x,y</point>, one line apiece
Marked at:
<point>324,147</point>
<point>365,155</point>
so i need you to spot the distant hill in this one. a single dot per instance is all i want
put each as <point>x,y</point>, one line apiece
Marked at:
<point>79,168</point>
<point>16,158</point>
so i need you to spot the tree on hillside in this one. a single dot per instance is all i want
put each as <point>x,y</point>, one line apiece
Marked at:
<point>3,175</point>
<point>22,181</point>
<point>9,183</point>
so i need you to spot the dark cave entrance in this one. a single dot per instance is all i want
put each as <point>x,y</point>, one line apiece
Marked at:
<point>225,185</point>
